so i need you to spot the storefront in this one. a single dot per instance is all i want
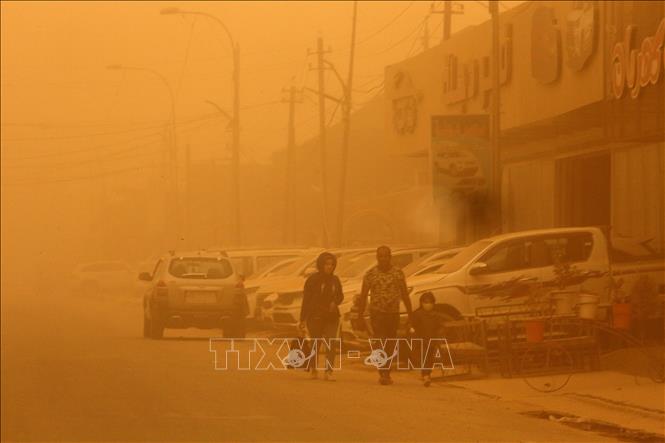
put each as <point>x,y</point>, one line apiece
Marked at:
<point>581,102</point>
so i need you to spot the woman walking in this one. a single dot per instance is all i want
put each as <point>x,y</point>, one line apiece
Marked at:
<point>319,313</point>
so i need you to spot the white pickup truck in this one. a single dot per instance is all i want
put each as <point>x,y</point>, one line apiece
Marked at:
<point>483,272</point>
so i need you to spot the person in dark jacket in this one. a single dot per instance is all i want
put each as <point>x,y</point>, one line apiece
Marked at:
<point>427,325</point>
<point>319,313</point>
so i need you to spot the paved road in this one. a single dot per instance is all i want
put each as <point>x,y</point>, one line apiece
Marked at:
<point>77,369</point>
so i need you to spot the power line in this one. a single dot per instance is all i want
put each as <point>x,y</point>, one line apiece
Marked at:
<point>102,134</point>
<point>387,25</point>
<point>399,42</point>
<point>113,155</point>
<point>82,178</point>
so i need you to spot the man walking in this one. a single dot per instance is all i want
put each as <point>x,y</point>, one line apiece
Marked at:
<point>386,286</point>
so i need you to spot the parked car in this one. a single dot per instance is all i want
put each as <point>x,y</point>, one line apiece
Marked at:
<point>473,276</point>
<point>103,277</point>
<point>253,284</point>
<point>250,262</point>
<point>189,289</point>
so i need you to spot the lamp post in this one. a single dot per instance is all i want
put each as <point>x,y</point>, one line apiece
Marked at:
<point>173,151</point>
<point>235,120</point>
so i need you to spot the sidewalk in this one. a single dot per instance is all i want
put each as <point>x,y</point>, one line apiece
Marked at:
<point>629,402</point>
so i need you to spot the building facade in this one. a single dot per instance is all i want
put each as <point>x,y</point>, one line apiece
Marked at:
<point>581,121</point>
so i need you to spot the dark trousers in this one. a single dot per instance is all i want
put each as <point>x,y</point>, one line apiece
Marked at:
<point>425,354</point>
<point>325,329</point>
<point>384,326</point>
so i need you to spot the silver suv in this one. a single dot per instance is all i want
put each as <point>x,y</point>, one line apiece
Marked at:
<point>195,289</point>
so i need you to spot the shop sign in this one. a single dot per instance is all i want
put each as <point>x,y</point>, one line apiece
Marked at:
<point>635,68</point>
<point>405,103</point>
<point>460,154</point>
<point>463,81</point>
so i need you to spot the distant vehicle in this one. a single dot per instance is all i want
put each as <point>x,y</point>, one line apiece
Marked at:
<point>189,289</point>
<point>103,277</point>
<point>250,262</point>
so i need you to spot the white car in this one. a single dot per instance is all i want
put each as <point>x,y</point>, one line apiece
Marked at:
<point>250,262</point>
<point>189,289</point>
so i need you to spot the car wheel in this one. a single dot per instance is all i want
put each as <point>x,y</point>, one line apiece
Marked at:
<point>147,327</point>
<point>156,326</point>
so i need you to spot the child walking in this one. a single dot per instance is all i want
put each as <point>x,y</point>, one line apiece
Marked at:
<point>427,324</point>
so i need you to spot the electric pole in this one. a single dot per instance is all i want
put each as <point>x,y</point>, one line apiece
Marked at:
<point>347,129</point>
<point>447,12</point>
<point>294,96</point>
<point>496,113</point>
<point>188,194</point>
<point>237,235</point>
<point>322,137</point>
<point>426,34</point>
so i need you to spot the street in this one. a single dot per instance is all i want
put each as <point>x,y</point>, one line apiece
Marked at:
<point>76,369</point>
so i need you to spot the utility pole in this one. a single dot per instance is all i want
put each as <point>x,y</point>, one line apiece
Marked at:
<point>447,12</point>
<point>496,114</point>
<point>426,34</point>
<point>322,136</point>
<point>347,129</point>
<point>289,200</point>
<point>188,194</point>
<point>237,233</point>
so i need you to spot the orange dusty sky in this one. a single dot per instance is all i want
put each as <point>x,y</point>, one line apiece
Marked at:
<point>58,96</point>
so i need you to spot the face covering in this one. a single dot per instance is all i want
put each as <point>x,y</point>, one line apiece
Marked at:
<point>428,306</point>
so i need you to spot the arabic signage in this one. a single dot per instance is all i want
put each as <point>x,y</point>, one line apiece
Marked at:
<point>460,154</point>
<point>405,103</point>
<point>636,68</point>
<point>464,80</point>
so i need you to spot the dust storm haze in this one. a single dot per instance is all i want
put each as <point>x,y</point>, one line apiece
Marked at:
<point>182,167</point>
<point>85,148</point>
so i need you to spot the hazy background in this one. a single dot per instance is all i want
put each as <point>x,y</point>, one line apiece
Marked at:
<point>83,147</point>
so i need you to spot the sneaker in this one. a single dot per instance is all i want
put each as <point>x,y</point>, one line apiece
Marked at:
<point>427,381</point>
<point>329,376</point>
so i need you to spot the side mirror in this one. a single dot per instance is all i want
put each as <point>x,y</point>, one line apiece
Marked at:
<point>309,271</point>
<point>478,268</point>
<point>145,276</point>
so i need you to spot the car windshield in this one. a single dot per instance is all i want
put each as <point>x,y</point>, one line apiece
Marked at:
<point>200,267</point>
<point>278,267</point>
<point>355,266</point>
<point>463,257</point>
<point>294,267</point>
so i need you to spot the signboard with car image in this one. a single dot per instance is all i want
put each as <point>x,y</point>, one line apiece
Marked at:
<point>460,154</point>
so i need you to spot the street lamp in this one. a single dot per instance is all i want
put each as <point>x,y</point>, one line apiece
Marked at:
<point>235,120</point>
<point>173,151</point>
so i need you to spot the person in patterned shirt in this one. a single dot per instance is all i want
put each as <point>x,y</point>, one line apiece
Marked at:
<point>386,286</point>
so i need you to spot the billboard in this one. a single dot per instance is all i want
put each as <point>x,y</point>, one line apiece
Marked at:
<point>461,161</point>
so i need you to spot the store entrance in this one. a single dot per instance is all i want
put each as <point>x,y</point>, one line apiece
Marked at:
<point>583,190</point>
